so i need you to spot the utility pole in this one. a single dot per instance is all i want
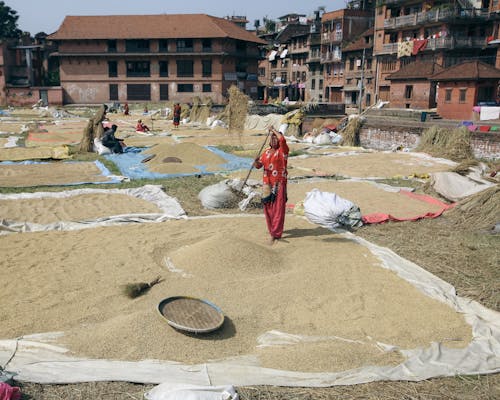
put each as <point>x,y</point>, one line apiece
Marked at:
<point>361,82</point>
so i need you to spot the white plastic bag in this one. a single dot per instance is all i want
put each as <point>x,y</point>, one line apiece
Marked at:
<point>100,148</point>
<point>219,195</point>
<point>330,210</point>
<point>176,391</point>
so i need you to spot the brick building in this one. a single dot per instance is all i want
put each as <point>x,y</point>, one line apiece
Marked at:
<point>154,58</point>
<point>337,29</point>
<point>465,85</point>
<point>411,87</point>
<point>444,32</point>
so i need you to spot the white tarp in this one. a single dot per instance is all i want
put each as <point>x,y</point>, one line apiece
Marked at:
<point>487,113</point>
<point>170,207</point>
<point>34,359</point>
<point>455,187</point>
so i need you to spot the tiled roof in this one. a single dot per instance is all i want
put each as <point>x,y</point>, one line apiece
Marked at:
<point>360,43</point>
<point>162,26</point>
<point>292,30</point>
<point>416,70</point>
<point>466,71</point>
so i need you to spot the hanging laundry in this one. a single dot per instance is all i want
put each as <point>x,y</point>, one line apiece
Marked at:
<point>405,49</point>
<point>419,45</point>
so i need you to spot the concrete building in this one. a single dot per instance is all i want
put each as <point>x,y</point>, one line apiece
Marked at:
<point>152,58</point>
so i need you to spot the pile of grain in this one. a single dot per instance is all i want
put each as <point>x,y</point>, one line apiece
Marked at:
<point>182,158</point>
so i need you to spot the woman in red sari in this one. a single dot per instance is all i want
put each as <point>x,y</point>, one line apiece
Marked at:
<point>177,114</point>
<point>274,195</point>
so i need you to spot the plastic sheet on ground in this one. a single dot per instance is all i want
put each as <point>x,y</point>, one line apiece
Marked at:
<point>169,206</point>
<point>130,164</point>
<point>33,358</point>
<point>456,187</point>
<point>376,218</point>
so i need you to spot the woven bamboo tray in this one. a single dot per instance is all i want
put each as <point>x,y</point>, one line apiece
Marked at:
<point>191,314</point>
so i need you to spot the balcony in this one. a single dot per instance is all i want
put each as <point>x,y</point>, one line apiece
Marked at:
<point>313,57</point>
<point>331,37</point>
<point>431,16</point>
<point>448,43</point>
<point>329,57</point>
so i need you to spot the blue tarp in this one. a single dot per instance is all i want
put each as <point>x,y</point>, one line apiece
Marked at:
<point>130,164</point>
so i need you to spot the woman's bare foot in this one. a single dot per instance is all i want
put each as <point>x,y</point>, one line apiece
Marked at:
<point>272,240</point>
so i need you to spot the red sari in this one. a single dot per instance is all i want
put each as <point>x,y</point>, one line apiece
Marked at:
<point>274,182</point>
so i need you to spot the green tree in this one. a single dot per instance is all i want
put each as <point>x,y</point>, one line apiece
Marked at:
<point>8,22</point>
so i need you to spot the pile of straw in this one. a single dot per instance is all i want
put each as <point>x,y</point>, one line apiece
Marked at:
<point>350,134</point>
<point>479,211</point>
<point>237,109</point>
<point>464,167</point>
<point>94,129</point>
<point>453,144</point>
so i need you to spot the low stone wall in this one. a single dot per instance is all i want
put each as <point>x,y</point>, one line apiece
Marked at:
<point>484,145</point>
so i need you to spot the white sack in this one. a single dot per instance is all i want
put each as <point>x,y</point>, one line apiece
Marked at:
<point>175,391</point>
<point>100,148</point>
<point>219,195</point>
<point>322,138</point>
<point>330,210</point>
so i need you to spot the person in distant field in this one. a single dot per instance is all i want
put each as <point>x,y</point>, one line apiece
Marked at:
<point>111,142</point>
<point>146,111</point>
<point>177,115</point>
<point>126,111</point>
<point>141,127</point>
<point>274,192</point>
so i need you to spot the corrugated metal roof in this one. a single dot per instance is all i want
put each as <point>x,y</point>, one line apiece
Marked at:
<point>164,26</point>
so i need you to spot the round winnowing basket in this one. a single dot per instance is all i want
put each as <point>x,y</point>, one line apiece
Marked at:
<point>191,314</point>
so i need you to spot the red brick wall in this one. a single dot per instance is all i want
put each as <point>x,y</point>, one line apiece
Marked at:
<point>454,109</point>
<point>26,97</point>
<point>419,98</point>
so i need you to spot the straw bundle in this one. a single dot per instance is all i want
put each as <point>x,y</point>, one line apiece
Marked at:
<point>237,109</point>
<point>133,290</point>
<point>94,129</point>
<point>350,135</point>
<point>480,211</point>
<point>195,110</point>
<point>453,144</point>
<point>464,167</point>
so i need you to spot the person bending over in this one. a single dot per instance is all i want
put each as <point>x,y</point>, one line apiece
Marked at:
<point>110,141</point>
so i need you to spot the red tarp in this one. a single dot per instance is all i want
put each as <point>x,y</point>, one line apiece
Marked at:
<point>377,218</point>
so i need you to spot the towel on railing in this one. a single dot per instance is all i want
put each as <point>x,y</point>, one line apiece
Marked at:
<point>419,45</point>
<point>405,49</point>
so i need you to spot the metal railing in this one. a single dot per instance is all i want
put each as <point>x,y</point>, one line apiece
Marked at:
<point>449,42</point>
<point>435,15</point>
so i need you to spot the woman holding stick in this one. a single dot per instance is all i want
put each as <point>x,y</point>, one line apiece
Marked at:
<point>274,195</point>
